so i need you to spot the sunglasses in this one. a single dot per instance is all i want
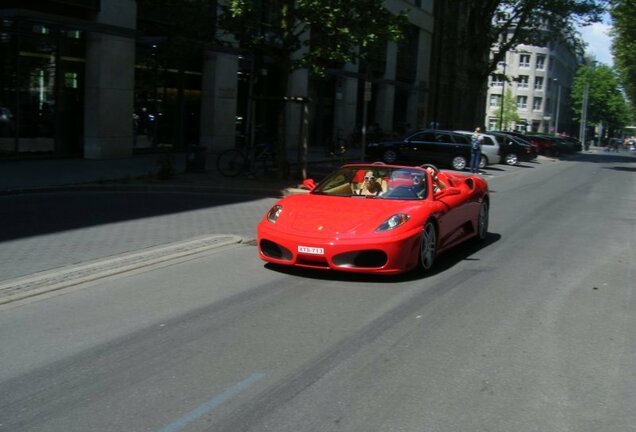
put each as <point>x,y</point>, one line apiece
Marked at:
<point>369,178</point>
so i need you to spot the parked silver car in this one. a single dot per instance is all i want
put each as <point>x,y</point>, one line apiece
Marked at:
<point>489,150</point>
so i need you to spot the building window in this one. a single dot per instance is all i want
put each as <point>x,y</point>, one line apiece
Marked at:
<point>493,124</point>
<point>536,103</point>
<point>538,83</point>
<point>524,60</point>
<point>71,80</point>
<point>540,62</point>
<point>522,81</point>
<point>495,101</point>
<point>496,81</point>
<point>522,102</point>
<point>41,29</point>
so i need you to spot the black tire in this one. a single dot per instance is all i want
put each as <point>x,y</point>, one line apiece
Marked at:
<point>231,163</point>
<point>482,222</point>
<point>389,156</point>
<point>459,163</point>
<point>428,248</point>
<point>511,159</point>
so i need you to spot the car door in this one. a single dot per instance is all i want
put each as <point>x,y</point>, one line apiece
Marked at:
<point>452,221</point>
<point>442,149</point>
<point>416,149</point>
<point>490,149</point>
<point>461,201</point>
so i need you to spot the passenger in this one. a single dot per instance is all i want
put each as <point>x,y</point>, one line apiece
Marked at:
<point>371,185</point>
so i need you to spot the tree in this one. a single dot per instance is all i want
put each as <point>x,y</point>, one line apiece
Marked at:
<point>509,113</point>
<point>624,45</point>
<point>477,28</point>
<point>313,34</point>
<point>606,102</point>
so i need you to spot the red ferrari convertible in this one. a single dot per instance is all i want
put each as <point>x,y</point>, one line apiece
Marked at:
<point>375,218</point>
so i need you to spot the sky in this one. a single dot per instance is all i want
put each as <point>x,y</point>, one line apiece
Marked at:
<point>598,40</point>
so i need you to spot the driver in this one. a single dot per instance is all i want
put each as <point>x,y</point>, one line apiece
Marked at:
<point>418,184</point>
<point>438,184</point>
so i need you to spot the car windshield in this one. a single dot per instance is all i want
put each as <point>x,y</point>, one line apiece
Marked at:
<point>375,182</point>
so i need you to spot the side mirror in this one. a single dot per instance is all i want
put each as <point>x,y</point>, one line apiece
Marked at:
<point>309,184</point>
<point>448,191</point>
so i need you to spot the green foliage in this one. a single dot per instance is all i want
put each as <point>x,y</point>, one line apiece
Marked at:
<point>606,101</point>
<point>504,24</point>
<point>510,113</point>
<point>317,34</point>
<point>624,45</point>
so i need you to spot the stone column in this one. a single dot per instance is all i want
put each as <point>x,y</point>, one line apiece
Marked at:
<point>418,97</point>
<point>110,81</point>
<point>346,101</point>
<point>219,90</point>
<point>385,100</point>
<point>298,87</point>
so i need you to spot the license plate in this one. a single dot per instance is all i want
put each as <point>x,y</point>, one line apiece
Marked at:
<point>311,250</point>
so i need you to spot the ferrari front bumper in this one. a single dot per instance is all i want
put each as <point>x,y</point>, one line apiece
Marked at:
<point>388,253</point>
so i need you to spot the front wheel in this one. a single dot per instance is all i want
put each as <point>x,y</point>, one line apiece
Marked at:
<point>428,248</point>
<point>231,163</point>
<point>482,222</point>
<point>389,156</point>
<point>459,163</point>
<point>511,159</point>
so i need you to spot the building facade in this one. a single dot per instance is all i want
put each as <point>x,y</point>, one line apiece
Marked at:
<point>539,80</point>
<point>82,78</point>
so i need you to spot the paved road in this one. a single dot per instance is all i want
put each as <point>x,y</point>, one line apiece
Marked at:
<point>532,332</point>
<point>41,232</point>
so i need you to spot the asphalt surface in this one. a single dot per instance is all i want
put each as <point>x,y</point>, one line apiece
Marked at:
<point>532,331</point>
<point>49,230</point>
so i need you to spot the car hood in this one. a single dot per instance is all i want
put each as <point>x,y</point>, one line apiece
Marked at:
<point>328,216</point>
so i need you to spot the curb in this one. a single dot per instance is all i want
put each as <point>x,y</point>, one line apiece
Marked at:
<point>57,279</point>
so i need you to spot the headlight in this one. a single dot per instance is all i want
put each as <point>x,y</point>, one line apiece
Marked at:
<point>274,213</point>
<point>393,222</point>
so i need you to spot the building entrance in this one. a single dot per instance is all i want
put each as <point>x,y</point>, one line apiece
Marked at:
<point>41,88</point>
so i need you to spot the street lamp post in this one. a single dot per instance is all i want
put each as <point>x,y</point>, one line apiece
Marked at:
<point>583,126</point>
<point>558,106</point>
<point>503,95</point>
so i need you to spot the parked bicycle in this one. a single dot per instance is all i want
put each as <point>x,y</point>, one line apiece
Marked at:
<point>232,162</point>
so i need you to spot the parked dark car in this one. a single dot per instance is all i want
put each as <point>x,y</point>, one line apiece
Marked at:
<point>514,149</point>
<point>553,145</point>
<point>440,147</point>
<point>574,142</point>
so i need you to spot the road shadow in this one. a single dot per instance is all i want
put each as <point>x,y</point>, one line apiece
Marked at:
<point>57,209</point>
<point>493,168</point>
<point>444,262</point>
<point>600,157</point>
<point>619,168</point>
